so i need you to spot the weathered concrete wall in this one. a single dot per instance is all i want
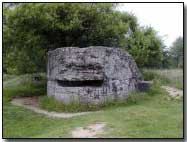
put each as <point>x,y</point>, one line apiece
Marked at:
<point>91,75</point>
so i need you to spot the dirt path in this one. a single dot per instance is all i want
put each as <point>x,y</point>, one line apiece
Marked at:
<point>173,92</point>
<point>90,131</point>
<point>33,104</point>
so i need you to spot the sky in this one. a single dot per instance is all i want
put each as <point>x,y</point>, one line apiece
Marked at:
<point>165,18</point>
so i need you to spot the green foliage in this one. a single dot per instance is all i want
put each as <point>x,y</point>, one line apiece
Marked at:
<point>146,47</point>
<point>176,51</point>
<point>8,77</point>
<point>153,117</point>
<point>143,115</point>
<point>50,104</point>
<point>172,77</point>
<point>15,80</point>
<point>167,61</point>
<point>41,27</point>
<point>22,86</point>
<point>23,91</point>
<point>156,88</point>
<point>149,75</point>
<point>173,57</point>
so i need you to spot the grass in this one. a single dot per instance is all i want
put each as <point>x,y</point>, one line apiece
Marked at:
<point>22,86</point>
<point>8,77</point>
<point>171,77</point>
<point>24,91</point>
<point>16,81</point>
<point>51,104</point>
<point>146,115</point>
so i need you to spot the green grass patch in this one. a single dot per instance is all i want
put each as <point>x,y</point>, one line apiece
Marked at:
<point>22,86</point>
<point>51,104</point>
<point>28,79</point>
<point>143,115</point>
<point>23,91</point>
<point>170,77</point>
<point>150,117</point>
<point>8,77</point>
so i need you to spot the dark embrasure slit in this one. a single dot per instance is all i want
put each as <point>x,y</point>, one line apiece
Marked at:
<point>84,83</point>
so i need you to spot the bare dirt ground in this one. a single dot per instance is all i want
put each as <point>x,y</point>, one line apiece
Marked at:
<point>32,103</point>
<point>173,92</point>
<point>90,131</point>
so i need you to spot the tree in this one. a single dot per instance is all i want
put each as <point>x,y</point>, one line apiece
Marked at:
<point>176,52</point>
<point>167,61</point>
<point>35,28</point>
<point>146,47</point>
<point>31,30</point>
